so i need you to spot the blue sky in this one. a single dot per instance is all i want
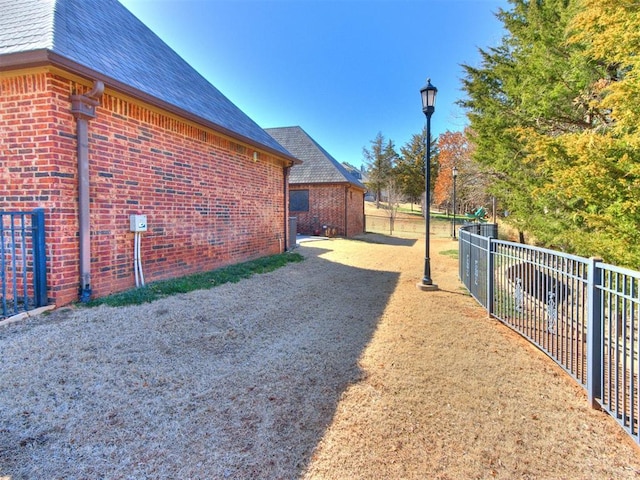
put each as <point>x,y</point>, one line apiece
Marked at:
<point>343,70</point>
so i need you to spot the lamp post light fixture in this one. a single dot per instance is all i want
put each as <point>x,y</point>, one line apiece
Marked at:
<point>428,93</point>
<point>454,174</point>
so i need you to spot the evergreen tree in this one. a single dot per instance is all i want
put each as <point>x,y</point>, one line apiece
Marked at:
<point>380,161</point>
<point>598,169</point>
<point>534,86</point>
<point>410,167</point>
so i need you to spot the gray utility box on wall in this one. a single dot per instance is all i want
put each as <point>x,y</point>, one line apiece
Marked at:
<point>138,223</point>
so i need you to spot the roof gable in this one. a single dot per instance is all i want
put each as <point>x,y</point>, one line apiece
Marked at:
<point>318,166</point>
<point>104,37</point>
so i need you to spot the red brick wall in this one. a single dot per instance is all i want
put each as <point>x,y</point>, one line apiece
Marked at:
<point>331,205</point>
<point>208,203</point>
<point>355,212</point>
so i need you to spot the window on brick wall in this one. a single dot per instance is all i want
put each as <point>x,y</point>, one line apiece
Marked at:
<point>299,200</point>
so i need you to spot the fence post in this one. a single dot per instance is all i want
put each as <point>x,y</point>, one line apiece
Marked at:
<point>460,255</point>
<point>594,333</point>
<point>39,258</point>
<point>490,259</point>
<point>462,249</point>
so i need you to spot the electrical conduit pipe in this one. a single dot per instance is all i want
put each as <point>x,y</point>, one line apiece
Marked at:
<point>137,259</point>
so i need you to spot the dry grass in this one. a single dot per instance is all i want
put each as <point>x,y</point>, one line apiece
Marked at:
<point>334,368</point>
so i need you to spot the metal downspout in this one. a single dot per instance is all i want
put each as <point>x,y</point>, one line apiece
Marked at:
<point>346,211</point>
<point>285,172</point>
<point>83,108</point>
<point>364,216</point>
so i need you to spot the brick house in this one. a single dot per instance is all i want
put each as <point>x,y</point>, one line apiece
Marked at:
<point>324,196</point>
<point>99,120</point>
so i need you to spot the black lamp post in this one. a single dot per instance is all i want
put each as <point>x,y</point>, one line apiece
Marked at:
<point>454,174</point>
<point>428,93</point>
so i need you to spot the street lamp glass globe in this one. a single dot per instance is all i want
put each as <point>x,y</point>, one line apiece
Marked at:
<point>428,93</point>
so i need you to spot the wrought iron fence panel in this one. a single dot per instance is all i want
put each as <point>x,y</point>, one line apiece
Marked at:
<point>542,295</point>
<point>473,267</point>
<point>22,262</point>
<point>581,312</point>
<point>619,291</point>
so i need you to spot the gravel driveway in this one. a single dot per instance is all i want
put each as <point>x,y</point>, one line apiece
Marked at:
<point>335,367</point>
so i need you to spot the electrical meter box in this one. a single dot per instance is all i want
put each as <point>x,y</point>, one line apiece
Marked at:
<point>138,223</point>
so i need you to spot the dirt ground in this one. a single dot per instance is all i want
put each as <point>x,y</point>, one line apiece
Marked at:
<point>448,393</point>
<point>337,367</point>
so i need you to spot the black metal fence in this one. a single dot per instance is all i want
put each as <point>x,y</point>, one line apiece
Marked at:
<point>22,262</point>
<point>583,313</point>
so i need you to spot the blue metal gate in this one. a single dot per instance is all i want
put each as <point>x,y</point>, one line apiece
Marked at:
<point>22,262</point>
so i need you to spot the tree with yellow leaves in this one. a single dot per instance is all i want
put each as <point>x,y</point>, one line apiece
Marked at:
<point>555,110</point>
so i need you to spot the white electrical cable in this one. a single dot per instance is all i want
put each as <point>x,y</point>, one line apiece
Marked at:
<point>140,260</point>
<point>135,257</point>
